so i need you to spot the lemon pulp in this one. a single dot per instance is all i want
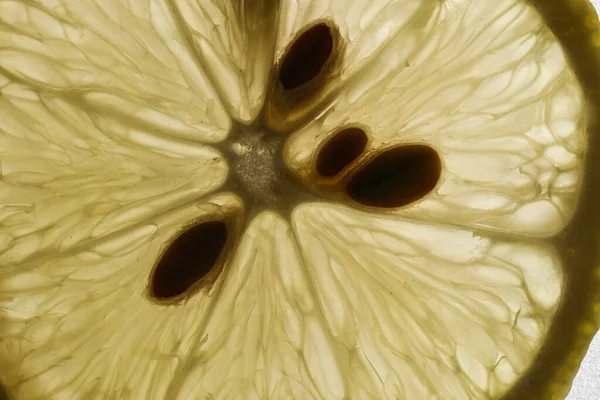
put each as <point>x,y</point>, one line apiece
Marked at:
<point>127,124</point>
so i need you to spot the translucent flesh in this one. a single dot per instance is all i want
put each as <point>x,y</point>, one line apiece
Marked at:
<point>504,111</point>
<point>113,115</point>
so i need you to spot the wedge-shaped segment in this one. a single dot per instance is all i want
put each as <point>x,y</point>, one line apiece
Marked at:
<point>265,339</point>
<point>129,59</point>
<point>425,311</point>
<point>488,86</point>
<point>68,177</point>
<point>234,42</point>
<point>80,324</point>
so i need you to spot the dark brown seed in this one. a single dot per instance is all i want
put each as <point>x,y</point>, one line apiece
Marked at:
<point>396,177</point>
<point>190,257</point>
<point>340,151</point>
<point>307,56</point>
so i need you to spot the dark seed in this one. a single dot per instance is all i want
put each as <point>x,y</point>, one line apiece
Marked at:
<point>188,259</point>
<point>307,56</point>
<point>396,177</point>
<point>340,151</point>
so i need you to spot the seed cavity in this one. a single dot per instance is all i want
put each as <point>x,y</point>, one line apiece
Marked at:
<point>306,57</point>
<point>190,258</point>
<point>305,77</point>
<point>396,177</point>
<point>341,151</point>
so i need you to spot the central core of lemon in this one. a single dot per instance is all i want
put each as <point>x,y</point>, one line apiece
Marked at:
<point>258,172</point>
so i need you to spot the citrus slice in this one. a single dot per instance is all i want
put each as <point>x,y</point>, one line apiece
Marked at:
<point>312,200</point>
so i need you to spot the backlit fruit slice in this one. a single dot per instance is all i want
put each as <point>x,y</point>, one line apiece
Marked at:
<point>481,287</point>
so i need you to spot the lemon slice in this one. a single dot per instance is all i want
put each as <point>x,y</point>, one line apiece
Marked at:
<point>312,200</point>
